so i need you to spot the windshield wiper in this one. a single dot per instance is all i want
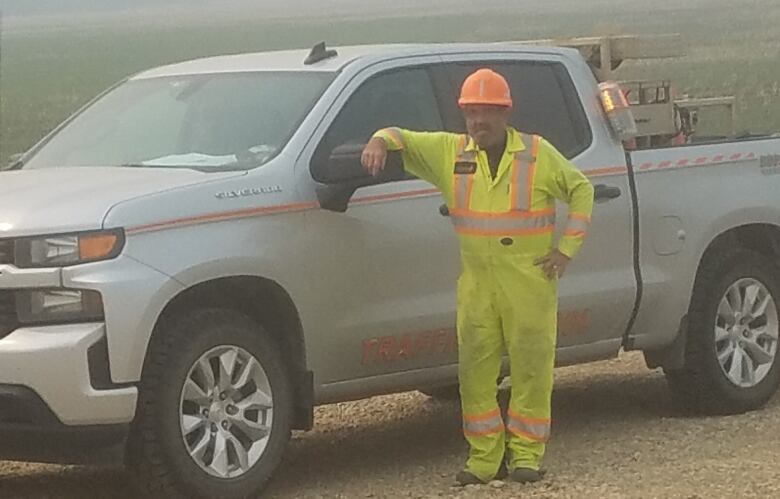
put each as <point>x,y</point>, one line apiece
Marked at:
<point>199,168</point>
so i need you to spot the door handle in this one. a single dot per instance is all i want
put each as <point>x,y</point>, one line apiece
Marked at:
<point>602,192</point>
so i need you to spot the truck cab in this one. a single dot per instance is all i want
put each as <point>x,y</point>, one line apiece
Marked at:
<point>196,259</point>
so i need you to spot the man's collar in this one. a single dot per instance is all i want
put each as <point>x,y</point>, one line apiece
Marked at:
<point>514,143</point>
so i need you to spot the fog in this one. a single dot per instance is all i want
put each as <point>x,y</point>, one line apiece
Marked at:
<point>192,9</point>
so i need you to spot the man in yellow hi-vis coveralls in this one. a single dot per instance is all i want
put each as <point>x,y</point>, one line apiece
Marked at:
<point>500,186</point>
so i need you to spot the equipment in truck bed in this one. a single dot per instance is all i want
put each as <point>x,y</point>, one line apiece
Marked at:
<point>661,117</point>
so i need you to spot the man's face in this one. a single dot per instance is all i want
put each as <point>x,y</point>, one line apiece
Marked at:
<point>487,124</point>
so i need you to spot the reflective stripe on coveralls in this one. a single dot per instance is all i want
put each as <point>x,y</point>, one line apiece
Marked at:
<point>483,424</point>
<point>534,428</point>
<point>524,170</point>
<point>514,226</point>
<point>395,135</point>
<point>577,225</point>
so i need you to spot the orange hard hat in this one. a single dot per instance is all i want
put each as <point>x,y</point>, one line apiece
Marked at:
<point>485,87</point>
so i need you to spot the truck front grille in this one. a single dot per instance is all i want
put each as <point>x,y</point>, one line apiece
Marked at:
<point>8,320</point>
<point>6,251</point>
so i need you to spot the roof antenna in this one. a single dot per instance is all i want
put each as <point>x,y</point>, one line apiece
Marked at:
<point>319,53</point>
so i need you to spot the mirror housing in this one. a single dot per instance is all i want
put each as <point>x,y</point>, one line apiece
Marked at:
<point>341,174</point>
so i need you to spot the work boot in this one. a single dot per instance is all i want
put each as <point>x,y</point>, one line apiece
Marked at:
<point>525,475</point>
<point>467,478</point>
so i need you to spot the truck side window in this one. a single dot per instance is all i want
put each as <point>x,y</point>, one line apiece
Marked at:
<point>545,101</point>
<point>404,98</point>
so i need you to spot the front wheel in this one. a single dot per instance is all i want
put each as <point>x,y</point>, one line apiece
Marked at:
<point>214,411</point>
<point>731,361</point>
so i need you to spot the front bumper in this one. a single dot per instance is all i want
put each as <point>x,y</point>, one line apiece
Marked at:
<point>29,431</point>
<point>52,362</point>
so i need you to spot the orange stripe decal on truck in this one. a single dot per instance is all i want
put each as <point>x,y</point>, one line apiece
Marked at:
<point>646,167</point>
<point>268,210</point>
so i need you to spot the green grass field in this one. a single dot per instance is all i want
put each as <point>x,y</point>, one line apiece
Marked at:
<point>733,48</point>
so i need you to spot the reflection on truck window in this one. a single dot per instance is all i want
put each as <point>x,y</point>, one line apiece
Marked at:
<point>402,98</point>
<point>207,122</point>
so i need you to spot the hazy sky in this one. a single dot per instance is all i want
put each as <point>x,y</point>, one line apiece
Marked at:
<point>37,7</point>
<point>24,13</point>
<point>278,7</point>
<point>259,8</point>
<point>184,11</point>
<point>27,7</point>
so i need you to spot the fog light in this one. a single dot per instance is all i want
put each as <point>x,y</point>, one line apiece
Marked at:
<point>58,305</point>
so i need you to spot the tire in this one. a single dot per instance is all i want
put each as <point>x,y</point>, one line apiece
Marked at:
<point>706,384</point>
<point>157,450</point>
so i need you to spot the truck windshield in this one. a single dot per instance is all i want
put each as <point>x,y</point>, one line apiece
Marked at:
<point>206,122</point>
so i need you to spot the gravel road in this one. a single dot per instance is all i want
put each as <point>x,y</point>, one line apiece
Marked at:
<point>616,435</point>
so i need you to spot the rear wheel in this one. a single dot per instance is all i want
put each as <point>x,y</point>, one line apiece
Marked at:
<point>214,411</point>
<point>731,361</point>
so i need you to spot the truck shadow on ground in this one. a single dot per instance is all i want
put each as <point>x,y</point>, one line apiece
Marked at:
<point>396,446</point>
<point>404,436</point>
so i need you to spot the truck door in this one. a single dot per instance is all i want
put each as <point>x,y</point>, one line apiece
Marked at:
<point>386,269</point>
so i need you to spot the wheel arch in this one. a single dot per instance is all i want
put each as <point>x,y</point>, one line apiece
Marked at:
<point>764,238</point>
<point>266,302</point>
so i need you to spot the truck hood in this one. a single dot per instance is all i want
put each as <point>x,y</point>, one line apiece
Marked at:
<point>60,200</point>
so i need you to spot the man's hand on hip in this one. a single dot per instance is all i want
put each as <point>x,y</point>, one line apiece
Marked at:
<point>374,156</point>
<point>553,263</point>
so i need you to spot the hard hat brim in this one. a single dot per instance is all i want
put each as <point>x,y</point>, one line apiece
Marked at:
<point>485,102</point>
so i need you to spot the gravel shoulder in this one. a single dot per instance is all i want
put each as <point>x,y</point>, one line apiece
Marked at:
<point>616,434</point>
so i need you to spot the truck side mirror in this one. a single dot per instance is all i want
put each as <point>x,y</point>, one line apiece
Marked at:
<point>341,174</point>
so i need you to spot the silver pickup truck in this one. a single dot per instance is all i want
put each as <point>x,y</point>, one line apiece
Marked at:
<point>195,260</point>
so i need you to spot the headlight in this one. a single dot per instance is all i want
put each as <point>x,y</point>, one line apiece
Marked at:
<point>69,249</point>
<point>58,305</point>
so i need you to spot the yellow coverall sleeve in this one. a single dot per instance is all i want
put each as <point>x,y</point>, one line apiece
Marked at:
<point>568,184</point>
<point>426,155</point>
